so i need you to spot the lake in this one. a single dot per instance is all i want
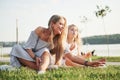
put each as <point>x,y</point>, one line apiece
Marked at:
<point>100,50</point>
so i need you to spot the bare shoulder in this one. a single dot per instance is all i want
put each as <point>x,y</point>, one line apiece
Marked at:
<point>39,30</point>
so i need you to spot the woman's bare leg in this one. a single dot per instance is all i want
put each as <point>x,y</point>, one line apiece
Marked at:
<point>29,64</point>
<point>45,60</point>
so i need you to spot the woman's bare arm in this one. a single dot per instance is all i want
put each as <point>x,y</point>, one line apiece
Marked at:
<point>30,52</point>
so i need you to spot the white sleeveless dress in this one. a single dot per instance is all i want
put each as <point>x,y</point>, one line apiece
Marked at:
<point>73,52</point>
<point>68,51</point>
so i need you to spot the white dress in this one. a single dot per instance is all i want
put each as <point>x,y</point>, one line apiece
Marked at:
<point>39,47</point>
<point>68,51</point>
<point>73,52</point>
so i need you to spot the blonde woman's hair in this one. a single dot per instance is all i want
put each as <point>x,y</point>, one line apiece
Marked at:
<point>57,43</point>
<point>78,39</point>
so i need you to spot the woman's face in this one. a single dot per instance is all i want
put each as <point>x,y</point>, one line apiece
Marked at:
<point>73,32</point>
<point>58,26</point>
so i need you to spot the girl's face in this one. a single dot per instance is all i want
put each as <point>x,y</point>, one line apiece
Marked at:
<point>73,32</point>
<point>58,26</point>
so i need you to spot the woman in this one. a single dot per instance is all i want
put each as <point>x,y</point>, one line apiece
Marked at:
<point>35,53</point>
<point>72,55</point>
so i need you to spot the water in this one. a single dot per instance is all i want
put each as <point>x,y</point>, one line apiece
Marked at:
<point>5,50</point>
<point>100,50</point>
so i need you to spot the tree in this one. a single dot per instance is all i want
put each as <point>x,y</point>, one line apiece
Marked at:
<point>102,12</point>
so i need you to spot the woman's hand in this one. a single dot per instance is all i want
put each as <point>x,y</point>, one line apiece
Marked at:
<point>94,64</point>
<point>38,60</point>
<point>97,63</point>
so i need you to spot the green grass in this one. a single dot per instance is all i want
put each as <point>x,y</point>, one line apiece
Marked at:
<point>87,73</point>
<point>109,59</point>
<point>74,73</point>
<point>5,55</point>
<point>2,63</point>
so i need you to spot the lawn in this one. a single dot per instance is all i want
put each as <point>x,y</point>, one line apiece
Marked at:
<point>108,59</point>
<point>69,73</point>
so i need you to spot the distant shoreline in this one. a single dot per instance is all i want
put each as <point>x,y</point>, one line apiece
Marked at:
<point>100,50</point>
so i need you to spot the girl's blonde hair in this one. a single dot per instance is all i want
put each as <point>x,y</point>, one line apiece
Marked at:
<point>78,39</point>
<point>57,42</point>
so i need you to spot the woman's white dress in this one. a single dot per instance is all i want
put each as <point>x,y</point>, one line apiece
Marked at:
<point>39,47</point>
<point>73,52</point>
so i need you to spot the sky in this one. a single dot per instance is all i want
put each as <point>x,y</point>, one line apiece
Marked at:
<point>33,13</point>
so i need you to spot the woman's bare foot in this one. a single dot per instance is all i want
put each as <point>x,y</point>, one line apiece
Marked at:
<point>87,55</point>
